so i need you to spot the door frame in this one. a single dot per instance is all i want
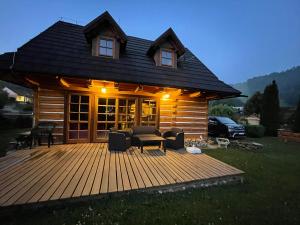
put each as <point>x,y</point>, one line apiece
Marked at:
<point>67,116</point>
<point>93,113</point>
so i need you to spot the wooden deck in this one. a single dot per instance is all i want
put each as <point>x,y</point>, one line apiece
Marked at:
<point>77,170</point>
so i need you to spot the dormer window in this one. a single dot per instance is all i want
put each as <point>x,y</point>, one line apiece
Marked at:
<point>106,47</point>
<point>166,58</point>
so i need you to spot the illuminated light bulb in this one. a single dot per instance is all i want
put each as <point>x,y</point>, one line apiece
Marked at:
<point>166,96</point>
<point>103,90</point>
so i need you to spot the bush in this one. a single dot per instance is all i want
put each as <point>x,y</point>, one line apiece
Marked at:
<point>28,107</point>
<point>255,131</point>
<point>296,125</point>
<point>3,98</point>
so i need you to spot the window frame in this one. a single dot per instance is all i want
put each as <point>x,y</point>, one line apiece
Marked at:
<point>172,57</point>
<point>112,48</point>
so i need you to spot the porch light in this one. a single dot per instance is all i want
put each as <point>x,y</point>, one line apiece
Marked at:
<point>166,96</point>
<point>103,90</point>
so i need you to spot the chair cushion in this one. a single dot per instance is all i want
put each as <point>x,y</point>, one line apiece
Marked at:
<point>143,130</point>
<point>171,138</point>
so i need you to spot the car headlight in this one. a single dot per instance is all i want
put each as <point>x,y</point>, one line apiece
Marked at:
<point>230,128</point>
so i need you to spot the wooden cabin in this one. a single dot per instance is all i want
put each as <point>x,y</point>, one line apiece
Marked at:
<point>90,78</point>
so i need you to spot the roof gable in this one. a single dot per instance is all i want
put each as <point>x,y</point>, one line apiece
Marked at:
<point>104,21</point>
<point>168,36</point>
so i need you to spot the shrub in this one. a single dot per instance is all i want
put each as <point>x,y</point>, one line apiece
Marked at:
<point>255,131</point>
<point>3,99</point>
<point>296,125</point>
<point>28,107</point>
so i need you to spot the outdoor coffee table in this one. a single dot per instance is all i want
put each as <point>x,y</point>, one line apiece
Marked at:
<point>146,139</point>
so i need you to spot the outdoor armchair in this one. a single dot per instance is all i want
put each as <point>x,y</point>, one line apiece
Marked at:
<point>118,141</point>
<point>174,138</point>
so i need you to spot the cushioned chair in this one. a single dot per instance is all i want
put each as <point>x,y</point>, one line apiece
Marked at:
<point>174,138</point>
<point>139,131</point>
<point>118,140</point>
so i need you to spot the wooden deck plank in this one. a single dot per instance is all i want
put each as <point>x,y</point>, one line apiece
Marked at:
<point>54,175</point>
<point>137,175</point>
<point>155,171</point>
<point>58,186</point>
<point>132,179</point>
<point>99,173</point>
<point>200,164</point>
<point>60,175</point>
<point>91,178</point>
<point>17,182</point>
<point>74,170</point>
<point>41,179</point>
<point>160,156</point>
<point>209,169</point>
<point>124,173</point>
<point>143,173</point>
<point>112,177</point>
<point>16,191</point>
<point>63,191</point>
<point>190,168</point>
<point>148,171</point>
<point>83,179</point>
<point>105,173</point>
<point>119,173</point>
<point>16,160</point>
<point>164,172</point>
<point>16,171</point>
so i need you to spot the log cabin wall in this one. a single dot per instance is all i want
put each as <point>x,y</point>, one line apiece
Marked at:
<point>189,114</point>
<point>51,107</point>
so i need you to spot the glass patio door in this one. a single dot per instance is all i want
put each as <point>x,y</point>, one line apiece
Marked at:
<point>113,112</point>
<point>105,117</point>
<point>79,118</point>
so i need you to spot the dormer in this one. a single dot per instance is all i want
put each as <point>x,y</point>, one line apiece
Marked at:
<point>166,49</point>
<point>105,37</point>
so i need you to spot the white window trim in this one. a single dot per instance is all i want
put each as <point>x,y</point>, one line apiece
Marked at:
<point>172,58</point>
<point>113,46</point>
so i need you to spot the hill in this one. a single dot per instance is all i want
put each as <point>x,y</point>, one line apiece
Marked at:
<point>288,84</point>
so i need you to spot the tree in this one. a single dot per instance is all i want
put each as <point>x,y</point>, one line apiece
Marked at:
<point>228,101</point>
<point>254,104</point>
<point>270,109</point>
<point>3,98</point>
<point>221,110</point>
<point>296,125</point>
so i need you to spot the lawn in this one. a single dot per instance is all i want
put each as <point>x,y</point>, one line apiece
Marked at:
<point>270,195</point>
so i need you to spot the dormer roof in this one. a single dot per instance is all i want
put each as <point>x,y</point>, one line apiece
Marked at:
<point>168,36</point>
<point>105,20</point>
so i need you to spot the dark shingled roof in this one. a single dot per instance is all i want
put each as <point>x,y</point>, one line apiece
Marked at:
<point>62,50</point>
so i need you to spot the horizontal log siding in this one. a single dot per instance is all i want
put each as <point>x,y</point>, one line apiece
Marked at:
<point>188,114</point>
<point>51,108</point>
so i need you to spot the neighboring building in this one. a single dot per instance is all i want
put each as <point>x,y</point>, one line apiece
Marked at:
<point>90,78</point>
<point>253,119</point>
<point>18,95</point>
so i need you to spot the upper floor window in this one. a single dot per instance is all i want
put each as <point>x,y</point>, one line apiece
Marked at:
<point>166,58</point>
<point>106,47</point>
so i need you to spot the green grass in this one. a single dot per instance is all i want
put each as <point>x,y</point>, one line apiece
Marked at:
<point>270,195</point>
<point>7,136</point>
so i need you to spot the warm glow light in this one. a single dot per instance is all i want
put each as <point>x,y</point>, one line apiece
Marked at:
<point>103,90</point>
<point>165,96</point>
